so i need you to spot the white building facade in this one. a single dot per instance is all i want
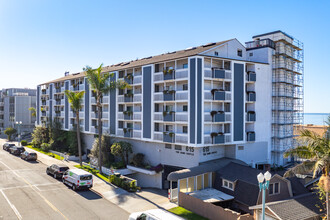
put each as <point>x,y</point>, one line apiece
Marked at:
<point>183,108</point>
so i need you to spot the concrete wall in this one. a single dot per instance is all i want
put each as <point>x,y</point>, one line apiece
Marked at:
<point>145,180</point>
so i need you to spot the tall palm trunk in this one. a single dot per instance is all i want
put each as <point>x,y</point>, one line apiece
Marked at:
<point>99,111</point>
<point>327,204</point>
<point>78,137</point>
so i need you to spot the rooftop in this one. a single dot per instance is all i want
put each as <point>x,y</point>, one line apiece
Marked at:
<point>211,195</point>
<point>273,32</point>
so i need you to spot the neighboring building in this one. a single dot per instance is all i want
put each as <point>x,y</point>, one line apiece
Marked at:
<point>192,106</point>
<point>318,129</point>
<point>14,107</point>
<point>303,207</point>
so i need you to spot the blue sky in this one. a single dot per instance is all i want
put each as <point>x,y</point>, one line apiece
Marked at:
<point>41,39</point>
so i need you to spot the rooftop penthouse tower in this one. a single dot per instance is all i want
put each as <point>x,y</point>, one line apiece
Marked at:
<point>187,107</point>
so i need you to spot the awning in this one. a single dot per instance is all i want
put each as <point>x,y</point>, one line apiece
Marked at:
<point>210,195</point>
<point>206,167</point>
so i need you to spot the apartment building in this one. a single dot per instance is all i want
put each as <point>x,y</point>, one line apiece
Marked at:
<point>190,106</point>
<point>14,107</point>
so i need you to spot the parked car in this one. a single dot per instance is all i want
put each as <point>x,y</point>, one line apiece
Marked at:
<point>154,214</point>
<point>57,170</point>
<point>29,156</point>
<point>17,150</point>
<point>6,146</point>
<point>78,179</point>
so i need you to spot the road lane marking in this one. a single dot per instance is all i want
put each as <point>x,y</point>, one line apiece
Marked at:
<point>27,182</point>
<point>11,205</point>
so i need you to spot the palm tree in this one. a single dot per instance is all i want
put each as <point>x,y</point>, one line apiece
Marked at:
<point>100,84</point>
<point>75,99</point>
<point>315,149</point>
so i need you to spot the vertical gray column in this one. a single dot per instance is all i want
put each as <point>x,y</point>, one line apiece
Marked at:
<point>112,113</point>
<point>238,101</point>
<point>66,107</point>
<point>192,104</point>
<point>146,105</point>
<point>50,103</point>
<point>38,110</point>
<point>199,101</point>
<point>87,105</point>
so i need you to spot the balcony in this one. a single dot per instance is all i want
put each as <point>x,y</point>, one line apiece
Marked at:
<point>181,95</point>
<point>169,74</point>
<point>218,73</point>
<point>128,97</point>
<point>218,116</point>
<point>169,116</point>
<point>181,138</point>
<point>260,43</point>
<point>218,95</point>
<point>251,116</point>
<point>168,137</point>
<point>128,132</point>
<point>218,138</point>
<point>128,115</point>
<point>137,98</point>
<point>251,76</point>
<point>137,133</point>
<point>137,79</point>
<point>169,95</point>
<point>181,74</point>
<point>251,96</point>
<point>250,136</point>
<point>129,79</point>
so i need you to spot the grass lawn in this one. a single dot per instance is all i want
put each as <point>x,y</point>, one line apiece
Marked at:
<point>94,172</point>
<point>47,153</point>
<point>186,214</point>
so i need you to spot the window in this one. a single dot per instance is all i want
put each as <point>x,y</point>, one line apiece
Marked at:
<point>156,88</point>
<point>274,188</point>
<point>120,124</point>
<point>121,108</point>
<point>121,74</point>
<point>251,54</point>
<point>216,53</point>
<point>185,87</point>
<point>156,68</point>
<point>227,184</point>
<point>185,66</point>
<point>185,129</point>
<point>240,147</point>
<point>121,92</point>
<point>168,146</point>
<point>156,126</point>
<point>185,108</point>
<point>178,147</point>
<point>239,53</point>
<point>156,107</point>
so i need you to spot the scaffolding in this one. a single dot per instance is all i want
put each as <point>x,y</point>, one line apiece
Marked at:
<point>287,94</point>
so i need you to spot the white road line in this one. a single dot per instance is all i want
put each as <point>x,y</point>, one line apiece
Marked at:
<point>44,198</point>
<point>25,186</point>
<point>11,205</point>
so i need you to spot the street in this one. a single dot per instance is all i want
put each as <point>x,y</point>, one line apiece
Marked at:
<point>27,192</point>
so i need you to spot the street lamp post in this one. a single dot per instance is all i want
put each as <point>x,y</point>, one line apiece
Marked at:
<point>263,186</point>
<point>19,123</point>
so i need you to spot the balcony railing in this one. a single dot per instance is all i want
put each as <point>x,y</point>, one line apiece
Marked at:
<point>169,116</point>
<point>137,133</point>
<point>137,98</point>
<point>218,73</point>
<point>137,116</point>
<point>169,137</point>
<point>128,97</point>
<point>128,132</point>
<point>169,95</point>
<point>251,76</point>
<point>251,96</point>
<point>128,79</point>
<point>128,115</point>
<point>181,138</point>
<point>260,43</point>
<point>181,74</point>
<point>181,116</point>
<point>250,136</point>
<point>251,116</point>
<point>218,116</point>
<point>181,95</point>
<point>169,74</point>
<point>158,116</point>
<point>137,79</point>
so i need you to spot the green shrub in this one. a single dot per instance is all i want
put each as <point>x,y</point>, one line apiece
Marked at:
<point>45,147</point>
<point>125,185</point>
<point>138,160</point>
<point>133,184</point>
<point>118,165</point>
<point>24,143</point>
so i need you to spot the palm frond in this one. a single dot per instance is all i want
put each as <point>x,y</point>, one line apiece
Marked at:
<point>305,167</point>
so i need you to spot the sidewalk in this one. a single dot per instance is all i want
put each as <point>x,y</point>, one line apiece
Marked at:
<point>131,202</point>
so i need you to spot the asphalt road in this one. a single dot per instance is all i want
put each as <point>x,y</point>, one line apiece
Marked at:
<point>27,192</point>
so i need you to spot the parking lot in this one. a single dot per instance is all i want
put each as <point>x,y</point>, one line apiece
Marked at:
<point>27,192</point>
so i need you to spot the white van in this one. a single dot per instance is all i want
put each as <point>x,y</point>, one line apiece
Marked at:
<point>78,179</point>
<point>154,214</point>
